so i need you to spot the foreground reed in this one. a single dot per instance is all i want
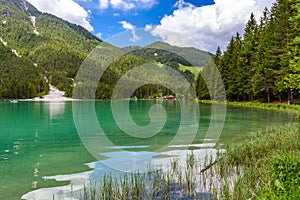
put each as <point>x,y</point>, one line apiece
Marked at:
<point>265,166</point>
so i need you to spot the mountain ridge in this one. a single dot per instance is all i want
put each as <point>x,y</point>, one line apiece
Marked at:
<point>56,48</point>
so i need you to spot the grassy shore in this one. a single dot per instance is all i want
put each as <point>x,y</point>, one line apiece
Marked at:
<point>265,166</point>
<point>281,106</point>
<point>255,104</point>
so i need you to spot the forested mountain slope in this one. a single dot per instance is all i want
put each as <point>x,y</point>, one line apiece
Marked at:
<point>19,78</point>
<point>52,47</point>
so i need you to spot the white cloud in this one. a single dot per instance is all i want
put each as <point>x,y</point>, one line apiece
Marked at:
<point>134,38</point>
<point>128,26</point>
<point>84,0</point>
<point>99,35</point>
<point>181,3</point>
<point>209,26</point>
<point>121,4</point>
<point>66,9</point>
<point>148,27</point>
<point>103,4</point>
<point>127,4</point>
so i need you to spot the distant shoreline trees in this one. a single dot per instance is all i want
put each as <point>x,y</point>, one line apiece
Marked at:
<point>264,64</point>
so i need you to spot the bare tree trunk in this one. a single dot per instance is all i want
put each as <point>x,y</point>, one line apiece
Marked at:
<point>269,99</point>
<point>280,100</point>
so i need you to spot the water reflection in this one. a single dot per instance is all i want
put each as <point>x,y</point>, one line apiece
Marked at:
<point>78,180</point>
<point>55,108</point>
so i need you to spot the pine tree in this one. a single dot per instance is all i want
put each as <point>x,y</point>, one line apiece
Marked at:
<point>201,87</point>
<point>228,68</point>
<point>219,89</point>
<point>248,60</point>
<point>209,82</point>
<point>264,78</point>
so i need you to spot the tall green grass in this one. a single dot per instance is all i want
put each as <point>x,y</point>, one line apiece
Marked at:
<point>260,163</point>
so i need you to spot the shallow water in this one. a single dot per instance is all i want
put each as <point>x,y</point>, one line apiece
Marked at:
<point>39,142</point>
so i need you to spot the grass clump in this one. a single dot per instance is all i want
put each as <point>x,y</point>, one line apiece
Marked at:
<point>268,165</point>
<point>177,182</point>
<point>285,179</point>
<point>298,116</point>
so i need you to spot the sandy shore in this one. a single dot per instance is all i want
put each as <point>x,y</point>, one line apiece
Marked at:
<point>54,95</point>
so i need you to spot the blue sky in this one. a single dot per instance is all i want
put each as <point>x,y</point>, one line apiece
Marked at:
<point>204,24</point>
<point>107,21</point>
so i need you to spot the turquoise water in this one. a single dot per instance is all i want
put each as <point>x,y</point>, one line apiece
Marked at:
<point>39,139</point>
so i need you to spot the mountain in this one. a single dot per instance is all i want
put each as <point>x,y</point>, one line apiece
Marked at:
<point>193,56</point>
<point>38,49</point>
<point>52,47</point>
<point>187,60</point>
<point>163,52</point>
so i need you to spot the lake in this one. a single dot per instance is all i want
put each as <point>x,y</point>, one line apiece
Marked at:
<point>41,150</point>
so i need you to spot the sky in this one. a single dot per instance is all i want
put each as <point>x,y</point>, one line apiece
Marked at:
<point>204,24</point>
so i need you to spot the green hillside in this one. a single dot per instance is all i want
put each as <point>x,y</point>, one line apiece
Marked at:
<point>187,61</point>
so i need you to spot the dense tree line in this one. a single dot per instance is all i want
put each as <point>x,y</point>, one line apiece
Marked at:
<point>264,63</point>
